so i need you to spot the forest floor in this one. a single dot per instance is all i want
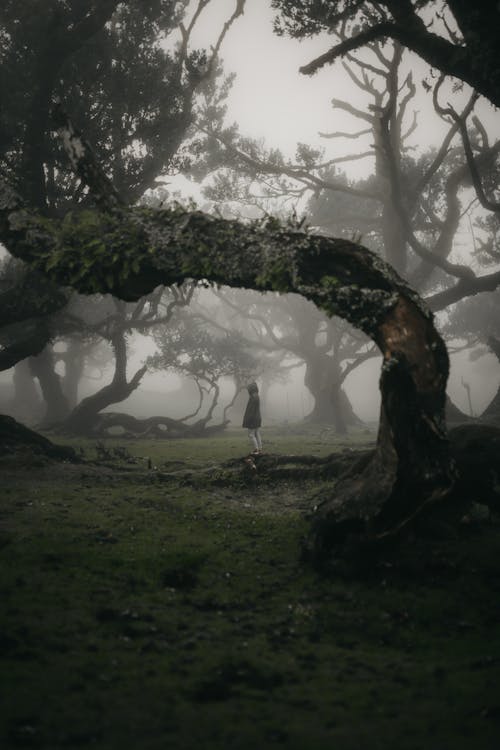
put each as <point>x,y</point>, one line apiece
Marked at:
<point>149,609</point>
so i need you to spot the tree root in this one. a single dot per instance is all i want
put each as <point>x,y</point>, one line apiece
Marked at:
<point>151,427</point>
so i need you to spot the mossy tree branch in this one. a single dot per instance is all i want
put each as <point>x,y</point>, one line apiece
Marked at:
<point>131,251</point>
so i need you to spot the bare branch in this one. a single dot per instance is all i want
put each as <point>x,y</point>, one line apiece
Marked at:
<point>462,272</point>
<point>464,288</point>
<point>363,83</point>
<point>359,359</point>
<point>383,29</point>
<point>347,107</point>
<point>367,66</point>
<point>461,123</point>
<point>239,10</point>
<point>312,181</point>
<point>341,134</point>
<point>411,129</point>
<point>410,94</point>
<point>186,32</point>
<point>443,150</point>
<point>482,131</point>
<point>200,403</point>
<point>376,48</point>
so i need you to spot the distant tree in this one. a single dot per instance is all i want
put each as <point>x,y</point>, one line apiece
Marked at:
<point>234,314</point>
<point>113,321</point>
<point>206,355</point>
<point>293,326</point>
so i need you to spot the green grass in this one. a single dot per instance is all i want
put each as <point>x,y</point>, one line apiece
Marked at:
<point>139,613</point>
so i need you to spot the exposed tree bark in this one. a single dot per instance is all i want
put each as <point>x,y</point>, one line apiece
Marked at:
<point>411,467</point>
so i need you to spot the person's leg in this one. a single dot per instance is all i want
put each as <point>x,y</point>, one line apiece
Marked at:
<point>258,440</point>
<point>253,437</point>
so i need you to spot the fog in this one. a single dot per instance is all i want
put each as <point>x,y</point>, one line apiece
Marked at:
<point>245,503</point>
<point>272,103</point>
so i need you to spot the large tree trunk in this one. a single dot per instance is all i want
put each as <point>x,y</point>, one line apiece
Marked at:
<point>84,419</point>
<point>74,361</point>
<point>411,467</point>
<point>42,367</point>
<point>331,404</point>
<point>27,404</point>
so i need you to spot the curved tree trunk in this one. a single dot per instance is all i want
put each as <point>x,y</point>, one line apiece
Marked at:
<point>411,467</point>
<point>84,419</point>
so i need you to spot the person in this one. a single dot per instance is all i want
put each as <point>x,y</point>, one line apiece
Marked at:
<point>252,419</point>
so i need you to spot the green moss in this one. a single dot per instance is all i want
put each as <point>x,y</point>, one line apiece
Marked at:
<point>142,614</point>
<point>330,282</point>
<point>95,252</point>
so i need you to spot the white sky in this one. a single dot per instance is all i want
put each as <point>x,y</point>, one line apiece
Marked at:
<point>272,100</point>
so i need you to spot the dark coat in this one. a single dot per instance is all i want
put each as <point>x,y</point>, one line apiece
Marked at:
<point>252,418</point>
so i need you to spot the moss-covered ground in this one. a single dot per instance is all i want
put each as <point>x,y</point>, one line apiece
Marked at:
<point>141,609</point>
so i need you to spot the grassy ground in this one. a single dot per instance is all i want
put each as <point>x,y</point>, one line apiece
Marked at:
<point>144,611</point>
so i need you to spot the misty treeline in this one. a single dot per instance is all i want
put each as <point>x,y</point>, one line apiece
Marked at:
<point>113,100</point>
